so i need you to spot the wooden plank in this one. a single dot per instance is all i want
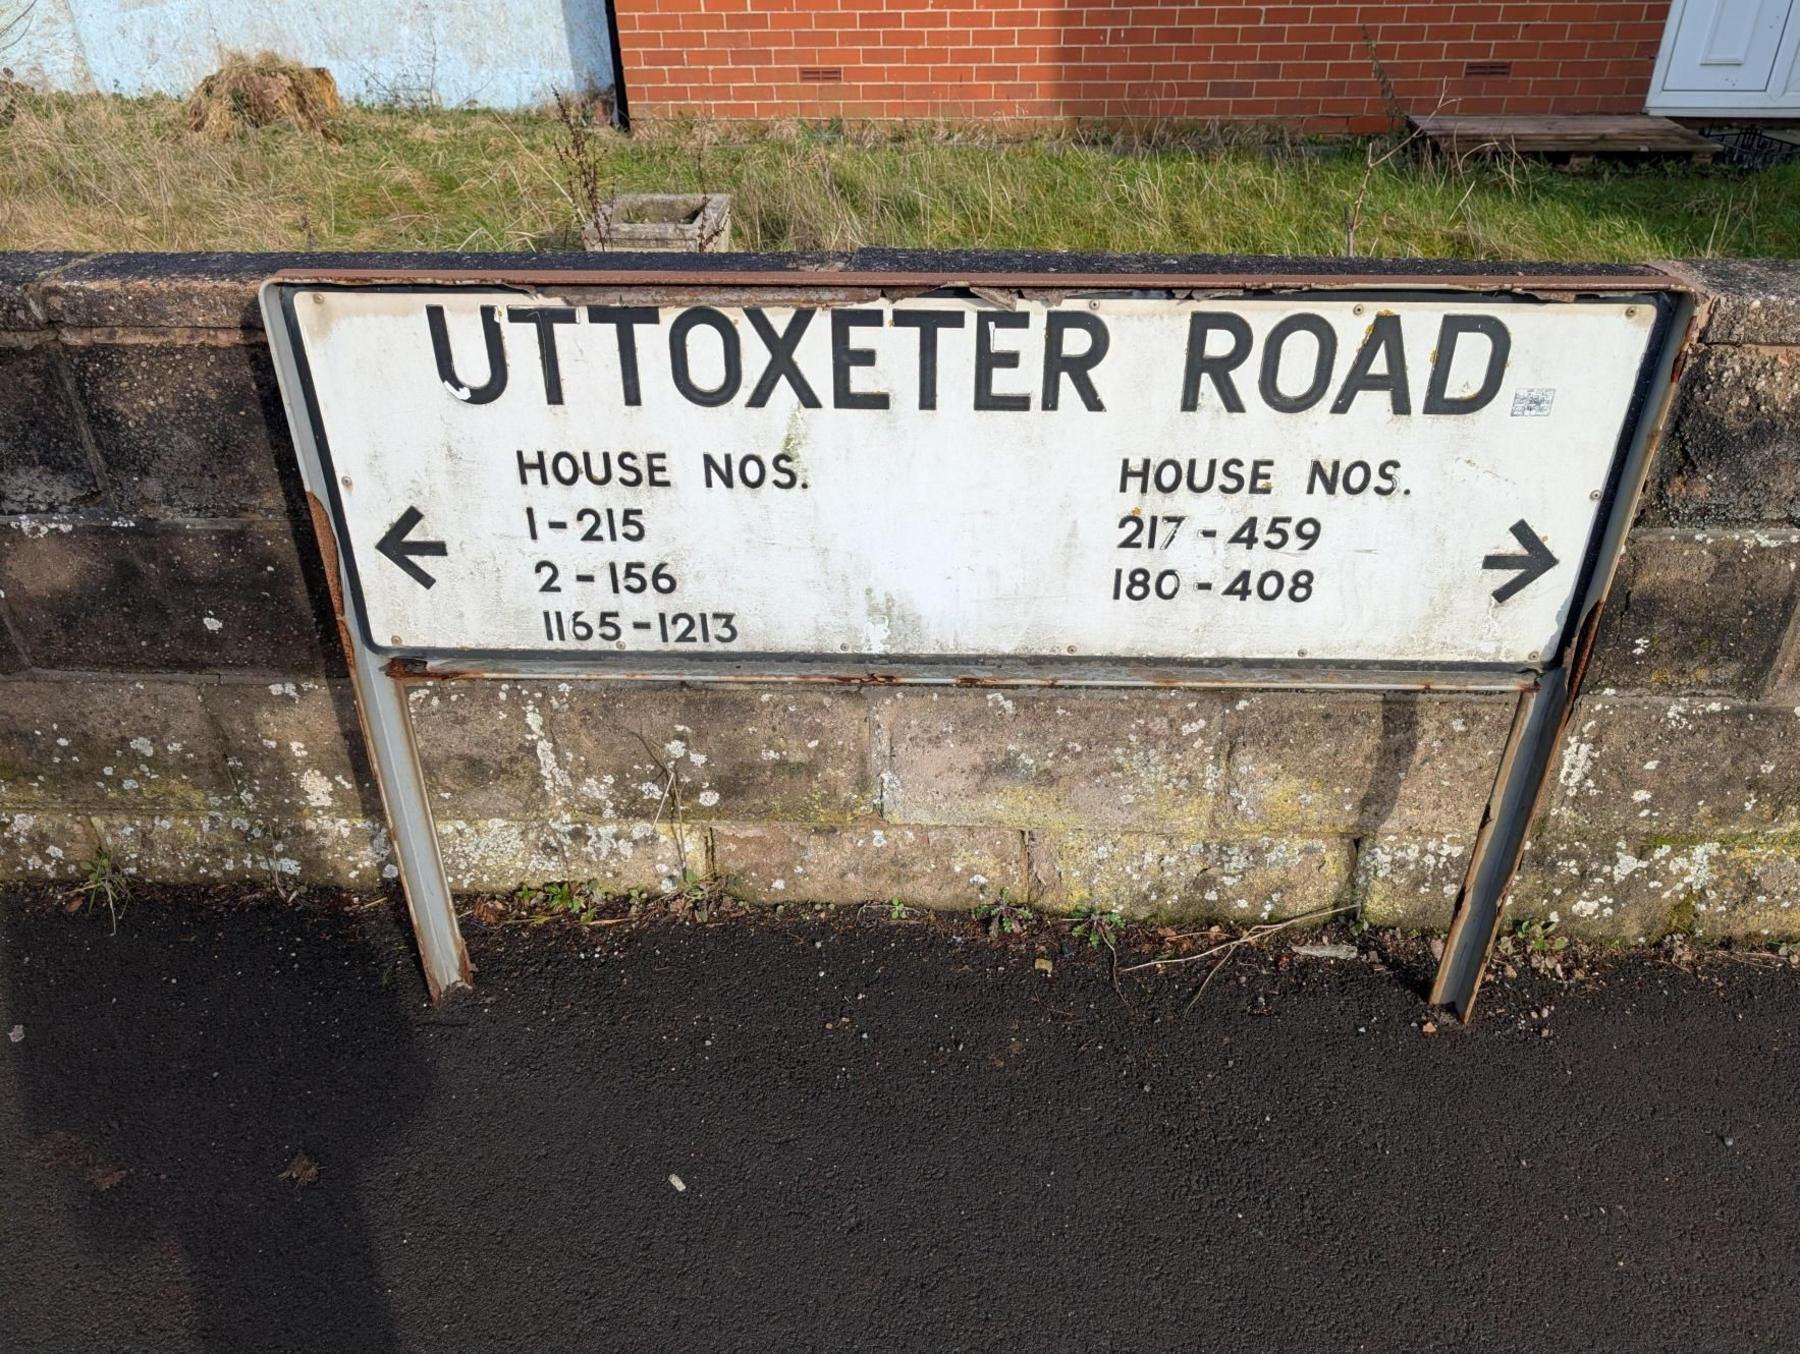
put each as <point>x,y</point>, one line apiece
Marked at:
<point>1568,134</point>
<point>1550,121</point>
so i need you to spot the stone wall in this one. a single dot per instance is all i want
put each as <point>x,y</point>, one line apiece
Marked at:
<point>171,691</point>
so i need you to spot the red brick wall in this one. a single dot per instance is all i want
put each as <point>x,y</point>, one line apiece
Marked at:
<point>1090,59</point>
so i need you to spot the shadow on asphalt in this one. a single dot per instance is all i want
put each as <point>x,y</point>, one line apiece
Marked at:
<point>178,1096</point>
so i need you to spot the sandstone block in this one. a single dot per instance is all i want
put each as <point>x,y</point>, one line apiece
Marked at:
<point>45,847</point>
<point>155,290</point>
<point>1731,455</point>
<point>133,595</point>
<point>20,275</point>
<point>1754,300</point>
<point>1589,895</point>
<point>947,867</point>
<point>1412,882</point>
<point>293,747</point>
<point>190,428</point>
<point>117,744</point>
<point>498,855</point>
<point>1359,763</point>
<point>1151,876</point>
<point>487,752</point>
<point>1041,759</point>
<point>228,847</point>
<point>1695,766</point>
<point>783,753</point>
<point>1635,889</point>
<point>43,465</point>
<point>1699,612</point>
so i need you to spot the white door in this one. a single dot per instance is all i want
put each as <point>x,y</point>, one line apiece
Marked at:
<point>1729,56</point>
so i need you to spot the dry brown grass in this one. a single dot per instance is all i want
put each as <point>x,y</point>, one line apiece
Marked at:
<point>82,172</point>
<point>264,90</point>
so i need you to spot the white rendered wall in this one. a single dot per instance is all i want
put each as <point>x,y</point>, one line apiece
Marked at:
<point>509,54</point>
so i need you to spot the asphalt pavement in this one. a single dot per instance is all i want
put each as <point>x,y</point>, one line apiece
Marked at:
<point>236,1125</point>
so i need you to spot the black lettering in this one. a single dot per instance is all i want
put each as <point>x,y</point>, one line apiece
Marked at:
<point>782,364</point>
<point>727,470</point>
<point>546,318</point>
<point>1078,367</point>
<point>685,323</point>
<point>988,360</point>
<point>1219,367</point>
<point>1383,338</point>
<point>1268,382</point>
<point>1352,477</point>
<point>626,318</point>
<point>446,365</point>
<point>844,359</point>
<point>526,467</point>
<point>1227,475</point>
<point>1499,347</point>
<point>928,323</point>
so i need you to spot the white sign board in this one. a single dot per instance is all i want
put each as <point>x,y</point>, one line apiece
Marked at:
<point>1315,478</point>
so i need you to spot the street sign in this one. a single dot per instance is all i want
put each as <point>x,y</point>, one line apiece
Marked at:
<point>1408,481</point>
<point>1004,477</point>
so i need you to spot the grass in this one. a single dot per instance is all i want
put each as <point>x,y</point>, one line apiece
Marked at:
<point>102,881</point>
<point>95,172</point>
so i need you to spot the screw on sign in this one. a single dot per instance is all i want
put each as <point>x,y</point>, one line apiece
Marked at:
<point>1171,481</point>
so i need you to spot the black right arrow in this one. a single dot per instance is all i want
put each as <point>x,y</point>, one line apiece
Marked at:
<point>400,550</point>
<point>1533,564</point>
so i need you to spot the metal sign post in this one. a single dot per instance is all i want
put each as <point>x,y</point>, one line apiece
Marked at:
<point>1345,482</point>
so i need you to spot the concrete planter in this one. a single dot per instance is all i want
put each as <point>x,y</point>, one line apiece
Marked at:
<point>685,222</point>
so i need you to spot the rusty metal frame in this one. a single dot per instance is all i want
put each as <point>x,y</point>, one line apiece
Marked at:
<point>1544,701</point>
<point>833,278</point>
<point>384,712</point>
<point>1542,716</point>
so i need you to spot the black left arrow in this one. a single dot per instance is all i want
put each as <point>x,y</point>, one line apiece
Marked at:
<point>1532,565</point>
<point>400,550</point>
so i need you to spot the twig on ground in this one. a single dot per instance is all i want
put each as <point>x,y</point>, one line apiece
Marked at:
<point>1251,937</point>
<point>1228,951</point>
<point>1206,982</point>
<point>1130,1009</point>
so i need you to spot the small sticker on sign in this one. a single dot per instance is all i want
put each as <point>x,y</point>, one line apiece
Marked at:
<point>1532,403</point>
